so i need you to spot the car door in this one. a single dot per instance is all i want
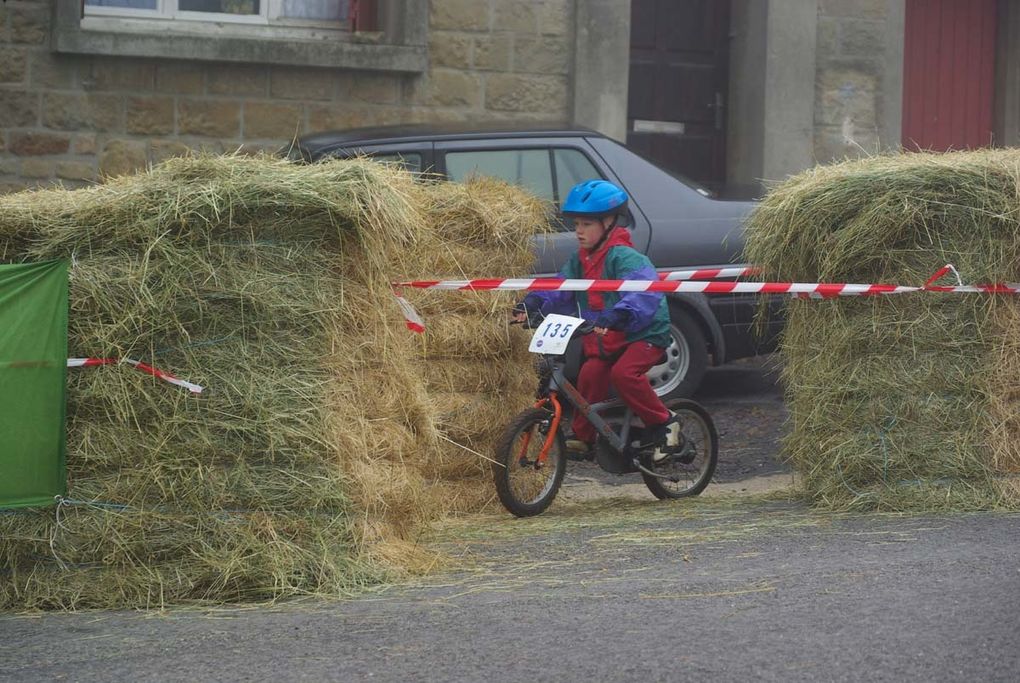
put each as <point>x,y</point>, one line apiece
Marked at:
<point>547,167</point>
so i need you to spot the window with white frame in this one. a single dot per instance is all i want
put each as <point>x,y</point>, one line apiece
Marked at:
<point>374,35</point>
<point>335,13</point>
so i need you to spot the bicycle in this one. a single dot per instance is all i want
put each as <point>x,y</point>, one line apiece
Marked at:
<point>531,457</point>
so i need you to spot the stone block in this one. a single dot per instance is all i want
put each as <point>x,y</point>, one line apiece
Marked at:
<point>450,49</point>
<point>493,52</point>
<point>180,78</point>
<point>39,144</point>
<point>847,75</point>
<point>12,187</point>
<point>542,55</point>
<point>460,15</point>
<point>165,149</point>
<point>212,118</point>
<point>518,16</point>
<point>51,70</point>
<point>827,38</point>
<point>862,38</point>
<point>423,114</point>
<point>835,107</point>
<point>301,84</point>
<point>377,88</point>
<point>526,93</point>
<point>84,144</point>
<point>150,115</point>
<point>13,65</point>
<point>448,88</point>
<point>341,117</point>
<point>18,108</point>
<point>368,87</point>
<point>76,170</point>
<point>10,166</point>
<point>554,17</point>
<point>37,168</point>
<point>267,120</point>
<point>861,9</point>
<point>108,73</point>
<point>122,157</point>
<point>76,111</point>
<point>29,25</point>
<point>240,79</point>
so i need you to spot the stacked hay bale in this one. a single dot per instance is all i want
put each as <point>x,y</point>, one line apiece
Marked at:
<point>906,401</point>
<point>474,364</point>
<point>317,440</point>
<point>472,367</point>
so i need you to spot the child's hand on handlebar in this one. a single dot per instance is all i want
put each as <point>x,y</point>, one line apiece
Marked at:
<point>519,314</point>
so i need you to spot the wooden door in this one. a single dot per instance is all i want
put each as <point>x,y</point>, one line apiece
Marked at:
<point>678,82</point>
<point>948,74</point>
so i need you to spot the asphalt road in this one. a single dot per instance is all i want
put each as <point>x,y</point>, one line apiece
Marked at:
<point>612,589</point>
<point>741,590</point>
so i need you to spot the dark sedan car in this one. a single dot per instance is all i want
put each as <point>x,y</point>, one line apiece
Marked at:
<point>678,224</point>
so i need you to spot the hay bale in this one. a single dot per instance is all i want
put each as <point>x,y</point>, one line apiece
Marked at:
<point>315,457</point>
<point>907,401</point>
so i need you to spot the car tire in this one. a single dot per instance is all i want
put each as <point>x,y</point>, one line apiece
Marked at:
<point>680,374</point>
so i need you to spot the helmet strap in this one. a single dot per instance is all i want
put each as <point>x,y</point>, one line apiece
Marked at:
<point>605,234</point>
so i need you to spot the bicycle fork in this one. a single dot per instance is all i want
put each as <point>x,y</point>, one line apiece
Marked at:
<point>550,435</point>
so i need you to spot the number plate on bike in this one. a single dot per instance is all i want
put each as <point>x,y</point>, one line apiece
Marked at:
<point>552,335</point>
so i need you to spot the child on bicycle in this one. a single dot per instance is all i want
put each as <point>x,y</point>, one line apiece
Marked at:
<point>631,328</point>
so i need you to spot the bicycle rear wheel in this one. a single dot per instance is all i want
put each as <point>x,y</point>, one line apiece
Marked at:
<point>525,486</point>
<point>694,466</point>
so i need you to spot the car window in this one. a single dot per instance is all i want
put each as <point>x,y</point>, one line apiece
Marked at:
<point>529,168</point>
<point>410,161</point>
<point>572,167</point>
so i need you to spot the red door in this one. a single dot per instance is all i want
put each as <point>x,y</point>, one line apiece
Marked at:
<point>948,74</point>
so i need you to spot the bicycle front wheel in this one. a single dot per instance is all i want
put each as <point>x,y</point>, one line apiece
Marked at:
<point>526,486</point>
<point>690,470</point>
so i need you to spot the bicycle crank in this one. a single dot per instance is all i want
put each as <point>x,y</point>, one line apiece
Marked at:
<point>672,479</point>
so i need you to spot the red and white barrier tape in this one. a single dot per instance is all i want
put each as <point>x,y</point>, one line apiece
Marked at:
<point>668,286</point>
<point>684,282</point>
<point>137,365</point>
<point>708,273</point>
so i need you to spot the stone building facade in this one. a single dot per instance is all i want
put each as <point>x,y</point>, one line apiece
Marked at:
<point>809,81</point>
<point>77,105</point>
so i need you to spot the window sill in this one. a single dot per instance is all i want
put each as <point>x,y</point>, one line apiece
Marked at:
<point>224,42</point>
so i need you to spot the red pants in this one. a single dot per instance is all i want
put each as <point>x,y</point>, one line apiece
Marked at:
<point>627,375</point>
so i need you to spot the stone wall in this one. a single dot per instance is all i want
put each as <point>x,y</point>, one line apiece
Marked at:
<point>75,118</point>
<point>856,89</point>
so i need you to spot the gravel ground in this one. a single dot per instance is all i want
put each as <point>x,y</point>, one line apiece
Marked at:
<point>746,404</point>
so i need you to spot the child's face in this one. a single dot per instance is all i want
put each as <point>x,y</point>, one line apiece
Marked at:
<point>589,230</point>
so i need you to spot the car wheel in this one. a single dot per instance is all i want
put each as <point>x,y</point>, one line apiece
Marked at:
<point>680,374</point>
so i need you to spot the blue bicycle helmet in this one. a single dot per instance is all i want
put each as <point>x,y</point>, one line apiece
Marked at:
<point>595,199</point>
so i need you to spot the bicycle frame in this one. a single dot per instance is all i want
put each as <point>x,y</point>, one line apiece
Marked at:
<point>591,411</point>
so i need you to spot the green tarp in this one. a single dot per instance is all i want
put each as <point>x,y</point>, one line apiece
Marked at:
<point>33,373</point>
